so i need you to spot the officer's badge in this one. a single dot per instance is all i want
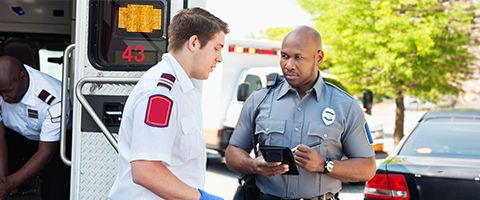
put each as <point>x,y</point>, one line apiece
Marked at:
<point>158,111</point>
<point>368,134</point>
<point>32,113</point>
<point>328,116</point>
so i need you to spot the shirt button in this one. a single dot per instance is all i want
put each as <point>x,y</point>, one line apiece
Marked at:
<point>299,108</point>
<point>267,129</point>
<point>296,129</point>
<point>324,135</point>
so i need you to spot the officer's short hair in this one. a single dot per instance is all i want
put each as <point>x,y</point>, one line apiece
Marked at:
<point>194,21</point>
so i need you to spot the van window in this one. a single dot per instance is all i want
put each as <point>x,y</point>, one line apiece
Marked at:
<point>254,81</point>
<point>48,67</point>
<point>129,35</point>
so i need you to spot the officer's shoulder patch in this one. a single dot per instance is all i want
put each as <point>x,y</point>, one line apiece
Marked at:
<point>46,97</point>
<point>368,135</point>
<point>166,80</point>
<point>158,112</point>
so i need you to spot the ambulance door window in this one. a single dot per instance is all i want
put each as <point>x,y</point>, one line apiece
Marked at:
<point>127,35</point>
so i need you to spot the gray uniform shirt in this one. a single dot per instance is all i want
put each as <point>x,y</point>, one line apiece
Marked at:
<point>326,114</point>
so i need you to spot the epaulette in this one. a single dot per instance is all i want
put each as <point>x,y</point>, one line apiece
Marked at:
<point>338,88</point>
<point>166,80</point>
<point>46,97</point>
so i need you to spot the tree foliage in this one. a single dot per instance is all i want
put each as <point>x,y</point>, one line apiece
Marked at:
<point>396,47</point>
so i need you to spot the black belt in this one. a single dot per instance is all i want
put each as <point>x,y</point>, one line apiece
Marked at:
<point>326,196</point>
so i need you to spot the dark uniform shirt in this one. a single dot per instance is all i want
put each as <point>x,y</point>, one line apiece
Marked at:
<point>326,114</point>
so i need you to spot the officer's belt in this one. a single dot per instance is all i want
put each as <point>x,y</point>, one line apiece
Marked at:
<point>326,196</point>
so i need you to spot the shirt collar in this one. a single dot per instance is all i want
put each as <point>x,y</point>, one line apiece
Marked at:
<point>29,97</point>
<point>185,83</point>
<point>317,88</point>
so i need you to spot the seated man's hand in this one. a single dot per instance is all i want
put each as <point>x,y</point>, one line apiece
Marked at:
<point>309,159</point>
<point>206,196</point>
<point>265,168</point>
<point>4,188</point>
<point>7,187</point>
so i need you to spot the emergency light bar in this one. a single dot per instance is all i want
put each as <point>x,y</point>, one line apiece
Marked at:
<point>250,50</point>
<point>140,18</point>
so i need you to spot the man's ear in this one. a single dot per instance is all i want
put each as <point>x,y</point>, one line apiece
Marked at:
<point>319,57</point>
<point>193,43</point>
<point>23,75</point>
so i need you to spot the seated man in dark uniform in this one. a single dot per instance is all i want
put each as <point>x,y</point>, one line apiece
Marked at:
<point>30,113</point>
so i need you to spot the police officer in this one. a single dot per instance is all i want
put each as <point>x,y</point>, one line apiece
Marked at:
<point>298,112</point>
<point>30,113</point>
<point>161,149</point>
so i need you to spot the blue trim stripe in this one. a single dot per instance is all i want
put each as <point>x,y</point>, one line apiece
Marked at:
<point>368,134</point>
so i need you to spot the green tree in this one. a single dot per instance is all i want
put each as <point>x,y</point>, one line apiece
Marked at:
<point>396,47</point>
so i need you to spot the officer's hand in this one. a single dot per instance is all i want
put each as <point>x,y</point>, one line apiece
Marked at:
<point>206,196</point>
<point>308,159</point>
<point>265,168</point>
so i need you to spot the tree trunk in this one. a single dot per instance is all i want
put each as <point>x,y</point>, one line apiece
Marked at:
<point>399,118</point>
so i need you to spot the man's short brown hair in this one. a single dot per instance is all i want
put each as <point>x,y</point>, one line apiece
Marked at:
<point>194,21</point>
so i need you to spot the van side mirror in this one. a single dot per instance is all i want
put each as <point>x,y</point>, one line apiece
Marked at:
<point>242,92</point>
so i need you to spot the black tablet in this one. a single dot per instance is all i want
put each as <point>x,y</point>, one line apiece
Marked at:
<point>280,154</point>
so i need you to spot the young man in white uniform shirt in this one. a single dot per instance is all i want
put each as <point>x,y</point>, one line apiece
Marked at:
<point>161,148</point>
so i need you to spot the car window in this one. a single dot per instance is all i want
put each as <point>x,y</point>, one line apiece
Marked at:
<point>444,139</point>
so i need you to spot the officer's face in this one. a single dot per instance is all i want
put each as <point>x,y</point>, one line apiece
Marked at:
<point>299,62</point>
<point>207,57</point>
<point>13,90</point>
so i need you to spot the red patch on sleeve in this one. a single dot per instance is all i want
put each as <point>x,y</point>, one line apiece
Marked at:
<point>159,110</point>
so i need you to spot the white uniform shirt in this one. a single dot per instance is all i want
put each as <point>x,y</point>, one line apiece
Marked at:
<point>175,137</point>
<point>37,115</point>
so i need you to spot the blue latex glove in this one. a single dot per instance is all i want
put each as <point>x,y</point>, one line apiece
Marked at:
<point>205,196</point>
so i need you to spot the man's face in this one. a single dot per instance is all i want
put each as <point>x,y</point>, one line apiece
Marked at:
<point>13,89</point>
<point>208,56</point>
<point>299,61</point>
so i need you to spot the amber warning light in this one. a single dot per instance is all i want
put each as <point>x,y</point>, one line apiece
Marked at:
<point>251,50</point>
<point>140,18</point>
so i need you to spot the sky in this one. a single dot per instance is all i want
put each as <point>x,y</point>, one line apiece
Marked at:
<point>250,16</point>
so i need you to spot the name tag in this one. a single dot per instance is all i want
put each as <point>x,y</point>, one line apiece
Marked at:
<point>32,113</point>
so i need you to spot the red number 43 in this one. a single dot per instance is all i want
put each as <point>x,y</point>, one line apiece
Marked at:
<point>139,57</point>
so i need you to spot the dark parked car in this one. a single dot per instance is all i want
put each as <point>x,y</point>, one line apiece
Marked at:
<point>440,159</point>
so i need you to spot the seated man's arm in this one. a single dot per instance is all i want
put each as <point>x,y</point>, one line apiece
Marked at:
<point>3,152</point>
<point>156,177</point>
<point>45,152</point>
